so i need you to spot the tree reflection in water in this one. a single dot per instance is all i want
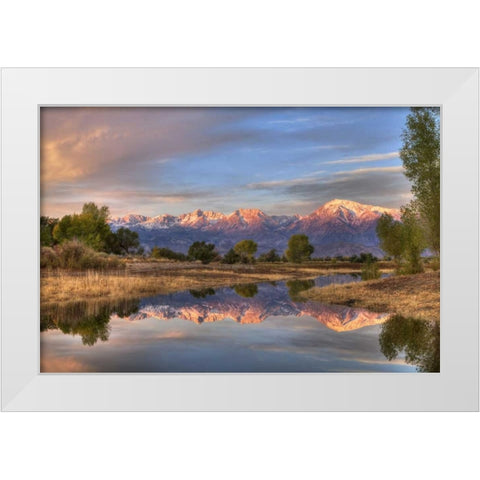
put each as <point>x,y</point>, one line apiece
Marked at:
<point>202,293</point>
<point>247,290</point>
<point>419,339</point>
<point>90,320</point>
<point>295,287</point>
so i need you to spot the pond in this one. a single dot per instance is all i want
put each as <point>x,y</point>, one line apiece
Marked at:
<point>262,327</point>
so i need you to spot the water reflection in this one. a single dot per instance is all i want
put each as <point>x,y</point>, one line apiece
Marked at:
<point>89,320</point>
<point>246,290</point>
<point>204,292</point>
<point>419,339</point>
<point>244,328</point>
<point>295,287</point>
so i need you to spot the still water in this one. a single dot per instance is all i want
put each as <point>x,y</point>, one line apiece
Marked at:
<point>245,328</point>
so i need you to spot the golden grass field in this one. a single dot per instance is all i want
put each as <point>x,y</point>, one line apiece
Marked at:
<point>151,278</point>
<point>416,296</point>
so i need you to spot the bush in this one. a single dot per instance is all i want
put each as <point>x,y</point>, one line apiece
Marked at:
<point>363,258</point>
<point>205,252</point>
<point>48,258</point>
<point>231,257</point>
<point>158,252</point>
<point>435,264</point>
<point>271,256</point>
<point>370,271</point>
<point>74,255</point>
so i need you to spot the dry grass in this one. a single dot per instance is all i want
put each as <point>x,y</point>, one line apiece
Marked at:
<point>416,296</point>
<point>150,278</point>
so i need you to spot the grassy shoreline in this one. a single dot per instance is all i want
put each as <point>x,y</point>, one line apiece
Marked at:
<point>416,296</point>
<point>150,278</point>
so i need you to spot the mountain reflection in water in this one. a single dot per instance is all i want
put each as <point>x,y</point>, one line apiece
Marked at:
<point>195,331</point>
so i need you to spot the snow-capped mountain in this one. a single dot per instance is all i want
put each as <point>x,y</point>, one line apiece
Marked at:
<point>269,302</point>
<point>339,227</point>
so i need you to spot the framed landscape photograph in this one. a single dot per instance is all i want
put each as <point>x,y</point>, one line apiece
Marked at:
<point>240,239</point>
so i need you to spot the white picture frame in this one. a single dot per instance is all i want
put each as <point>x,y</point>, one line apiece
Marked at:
<point>455,388</point>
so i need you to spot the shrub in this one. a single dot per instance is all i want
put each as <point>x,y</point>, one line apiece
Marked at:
<point>231,257</point>
<point>205,252</point>
<point>270,256</point>
<point>48,258</point>
<point>370,271</point>
<point>158,252</point>
<point>74,255</point>
<point>435,264</point>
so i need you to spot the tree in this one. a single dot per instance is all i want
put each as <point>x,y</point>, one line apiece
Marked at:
<point>299,249</point>
<point>205,252</point>
<point>390,232</point>
<point>246,250</point>
<point>47,225</point>
<point>370,270</point>
<point>270,256</point>
<point>414,241</point>
<point>90,227</point>
<point>125,240</point>
<point>404,240</point>
<point>420,155</point>
<point>231,257</point>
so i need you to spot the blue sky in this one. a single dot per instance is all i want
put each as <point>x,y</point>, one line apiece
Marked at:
<point>174,160</point>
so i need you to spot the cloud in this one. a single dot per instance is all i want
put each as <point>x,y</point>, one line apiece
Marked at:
<point>373,157</point>
<point>91,144</point>
<point>152,160</point>
<point>385,186</point>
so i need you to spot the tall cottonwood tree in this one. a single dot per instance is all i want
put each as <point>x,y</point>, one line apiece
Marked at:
<point>420,155</point>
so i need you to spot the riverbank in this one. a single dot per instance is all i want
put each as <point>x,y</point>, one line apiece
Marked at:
<point>416,296</point>
<point>151,278</point>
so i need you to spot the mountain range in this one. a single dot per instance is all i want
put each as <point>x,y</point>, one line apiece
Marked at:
<point>269,302</point>
<point>338,227</point>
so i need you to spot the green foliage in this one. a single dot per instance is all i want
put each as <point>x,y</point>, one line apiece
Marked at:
<point>47,225</point>
<point>246,249</point>
<point>414,242</point>
<point>90,227</point>
<point>270,257</point>
<point>205,252</point>
<point>370,271</point>
<point>435,264</point>
<point>74,255</point>
<point>122,242</point>
<point>404,240</point>
<point>390,232</point>
<point>231,257</point>
<point>419,339</point>
<point>299,249</point>
<point>246,290</point>
<point>158,252</point>
<point>363,258</point>
<point>420,155</point>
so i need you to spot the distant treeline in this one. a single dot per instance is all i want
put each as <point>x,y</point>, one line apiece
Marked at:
<point>86,241</point>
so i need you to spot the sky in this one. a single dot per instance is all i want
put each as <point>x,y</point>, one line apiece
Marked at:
<point>282,160</point>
